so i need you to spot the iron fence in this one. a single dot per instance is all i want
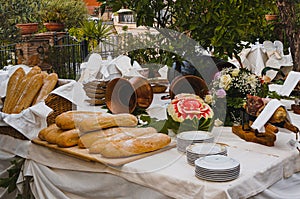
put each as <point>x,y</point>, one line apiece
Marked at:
<point>66,56</point>
<point>8,55</point>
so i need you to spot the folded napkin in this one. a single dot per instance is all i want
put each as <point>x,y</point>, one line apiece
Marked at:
<point>91,68</point>
<point>266,114</point>
<point>72,91</point>
<point>29,122</point>
<point>290,83</point>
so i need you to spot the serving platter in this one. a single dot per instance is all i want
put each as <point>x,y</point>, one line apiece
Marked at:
<point>85,155</point>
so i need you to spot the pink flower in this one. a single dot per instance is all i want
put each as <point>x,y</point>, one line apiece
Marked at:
<point>189,106</point>
<point>220,93</point>
<point>217,76</point>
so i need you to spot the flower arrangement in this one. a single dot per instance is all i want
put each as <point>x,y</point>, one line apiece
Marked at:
<point>186,112</point>
<point>230,88</point>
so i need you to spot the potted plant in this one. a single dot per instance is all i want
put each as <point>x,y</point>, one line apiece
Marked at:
<point>27,17</point>
<point>272,12</point>
<point>62,14</point>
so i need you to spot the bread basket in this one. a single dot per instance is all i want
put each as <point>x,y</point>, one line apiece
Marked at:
<point>55,102</point>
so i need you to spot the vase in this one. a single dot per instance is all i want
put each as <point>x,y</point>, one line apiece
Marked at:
<point>271,17</point>
<point>51,26</point>
<point>28,28</point>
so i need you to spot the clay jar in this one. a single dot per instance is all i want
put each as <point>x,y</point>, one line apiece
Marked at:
<point>124,96</point>
<point>188,84</point>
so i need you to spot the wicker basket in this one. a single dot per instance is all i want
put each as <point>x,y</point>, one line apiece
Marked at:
<point>59,105</point>
<point>56,102</point>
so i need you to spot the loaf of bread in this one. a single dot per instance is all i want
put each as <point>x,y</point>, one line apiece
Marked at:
<point>71,119</point>
<point>49,83</point>
<point>20,88</point>
<point>46,130</point>
<point>107,121</point>
<point>133,146</point>
<point>13,82</point>
<point>117,133</point>
<point>52,134</point>
<point>28,93</point>
<point>68,138</point>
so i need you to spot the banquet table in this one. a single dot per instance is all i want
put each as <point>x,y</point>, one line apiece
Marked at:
<point>265,171</point>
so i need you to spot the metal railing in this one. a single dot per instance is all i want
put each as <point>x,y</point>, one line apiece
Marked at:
<point>66,56</point>
<point>8,55</point>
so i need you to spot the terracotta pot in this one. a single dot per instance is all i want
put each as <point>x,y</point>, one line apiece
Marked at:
<point>28,28</point>
<point>271,17</point>
<point>188,84</point>
<point>51,26</point>
<point>123,96</point>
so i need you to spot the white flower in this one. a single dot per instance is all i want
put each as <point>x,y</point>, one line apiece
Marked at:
<point>208,99</point>
<point>235,72</point>
<point>218,122</point>
<point>225,81</point>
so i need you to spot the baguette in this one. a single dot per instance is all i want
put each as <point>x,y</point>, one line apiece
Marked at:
<point>28,93</point>
<point>134,146</point>
<point>106,121</point>
<point>12,85</point>
<point>70,119</point>
<point>52,134</point>
<point>48,85</point>
<point>46,130</point>
<point>68,138</point>
<point>117,133</point>
<point>20,88</point>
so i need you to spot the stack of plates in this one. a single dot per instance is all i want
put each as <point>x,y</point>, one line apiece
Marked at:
<point>198,150</point>
<point>217,168</point>
<point>184,139</point>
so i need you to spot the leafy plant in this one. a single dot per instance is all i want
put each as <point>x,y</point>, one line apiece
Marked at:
<point>13,174</point>
<point>13,12</point>
<point>69,12</point>
<point>95,32</point>
<point>26,11</point>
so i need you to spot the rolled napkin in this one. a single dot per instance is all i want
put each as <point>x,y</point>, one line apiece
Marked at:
<point>266,114</point>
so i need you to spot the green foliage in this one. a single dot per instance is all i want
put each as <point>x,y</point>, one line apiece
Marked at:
<point>96,30</point>
<point>222,24</point>
<point>13,12</point>
<point>13,174</point>
<point>69,12</point>
<point>163,126</point>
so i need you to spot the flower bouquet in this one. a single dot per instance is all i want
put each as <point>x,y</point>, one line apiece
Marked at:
<point>186,112</point>
<point>229,90</point>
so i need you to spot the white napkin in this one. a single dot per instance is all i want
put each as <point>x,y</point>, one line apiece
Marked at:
<point>266,114</point>
<point>72,91</point>
<point>163,71</point>
<point>30,121</point>
<point>91,68</point>
<point>290,83</point>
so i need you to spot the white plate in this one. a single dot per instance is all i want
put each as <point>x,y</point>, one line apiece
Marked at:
<point>206,148</point>
<point>217,162</point>
<point>195,135</point>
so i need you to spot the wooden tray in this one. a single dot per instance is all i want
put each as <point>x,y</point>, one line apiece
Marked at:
<point>84,154</point>
<point>267,139</point>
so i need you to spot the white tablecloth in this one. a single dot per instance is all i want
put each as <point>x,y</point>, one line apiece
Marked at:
<point>164,175</point>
